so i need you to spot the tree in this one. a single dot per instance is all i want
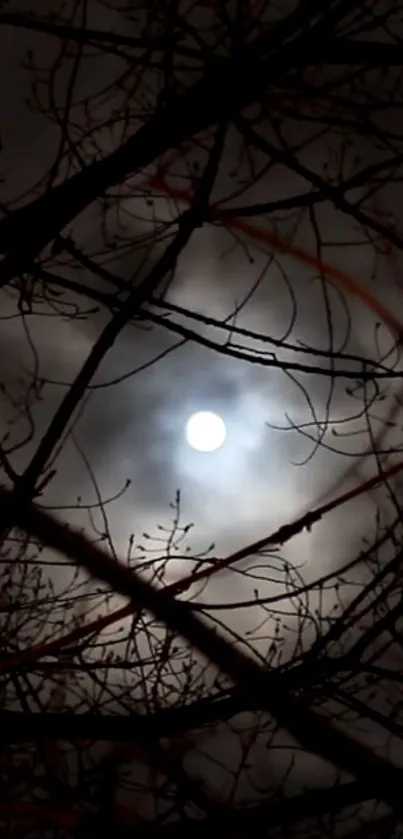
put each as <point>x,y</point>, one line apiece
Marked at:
<point>158,682</point>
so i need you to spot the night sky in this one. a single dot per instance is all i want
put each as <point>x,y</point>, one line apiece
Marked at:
<point>294,438</point>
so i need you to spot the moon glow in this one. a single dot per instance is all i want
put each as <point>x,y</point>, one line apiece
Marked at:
<point>205,431</point>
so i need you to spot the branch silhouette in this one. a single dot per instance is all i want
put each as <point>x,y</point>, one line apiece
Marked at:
<point>310,728</point>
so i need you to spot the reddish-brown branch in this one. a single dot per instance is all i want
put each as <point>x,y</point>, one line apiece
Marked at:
<point>308,727</point>
<point>267,237</point>
<point>279,537</point>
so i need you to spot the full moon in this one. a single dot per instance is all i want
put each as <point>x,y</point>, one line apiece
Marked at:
<point>205,431</point>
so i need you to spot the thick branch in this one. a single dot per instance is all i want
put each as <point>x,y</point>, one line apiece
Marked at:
<point>307,726</point>
<point>17,727</point>
<point>225,90</point>
<point>24,488</point>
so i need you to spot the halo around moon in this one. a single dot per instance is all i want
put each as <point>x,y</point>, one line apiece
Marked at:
<point>205,431</point>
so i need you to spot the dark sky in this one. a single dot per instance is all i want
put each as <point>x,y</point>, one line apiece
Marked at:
<point>262,477</point>
<point>135,430</point>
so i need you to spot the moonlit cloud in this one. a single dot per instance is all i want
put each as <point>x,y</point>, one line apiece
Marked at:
<point>292,438</point>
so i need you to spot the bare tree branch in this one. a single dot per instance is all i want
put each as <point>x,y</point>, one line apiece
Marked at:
<point>308,727</point>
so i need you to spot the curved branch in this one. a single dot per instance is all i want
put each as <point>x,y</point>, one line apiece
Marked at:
<point>313,731</point>
<point>333,194</point>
